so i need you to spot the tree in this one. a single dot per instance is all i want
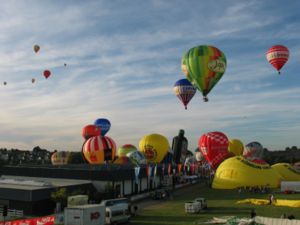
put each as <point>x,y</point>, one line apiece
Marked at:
<point>60,196</point>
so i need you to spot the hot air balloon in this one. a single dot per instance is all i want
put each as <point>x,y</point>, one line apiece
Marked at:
<point>46,73</point>
<point>180,147</point>
<point>123,160</point>
<point>36,48</point>
<point>32,80</point>
<point>125,149</point>
<point>204,66</point>
<point>90,131</point>
<point>154,147</point>
<point>98,149</point>
<point>236,147</point>
<point>4,83</point>
<point>254,152</point>
<point>103,124</point>
<point>214,147</point>
<point>184,90</point>
<point>60,158</point>
<point>278,55</point>
<point>137,157</point>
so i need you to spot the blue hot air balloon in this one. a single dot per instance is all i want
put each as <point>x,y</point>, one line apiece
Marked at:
<point>185,91</point>
<point>103,124</point>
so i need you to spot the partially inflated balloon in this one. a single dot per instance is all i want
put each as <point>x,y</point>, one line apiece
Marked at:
<point>204,66</point>
<point>236,147</point>
<point>137,157</point>
<point>214,147</point>
<point>125,149</point>
<point>60,158</point>
<point>98,149</point>
<point>46,73</point>
<point>123,160</point>
<point>277,56</point>
<point>154,147</point>
<point>254,152</point>
<point>36,48</point>
<point>90,131</point>
<point>103,124</point>
<point>185,91</point>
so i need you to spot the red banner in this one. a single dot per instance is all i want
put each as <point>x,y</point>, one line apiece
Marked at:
<point>46,220</point>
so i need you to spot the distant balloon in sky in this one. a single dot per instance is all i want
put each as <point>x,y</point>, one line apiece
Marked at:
<point>185,91</point>
<point>277,56</point>
<point>204,66</point>
<point>36,48</point>
<point>46,73</point>
<point>65,64</point>
<point>4,83</point>
<point>103,124</point>
<point>32,80</point>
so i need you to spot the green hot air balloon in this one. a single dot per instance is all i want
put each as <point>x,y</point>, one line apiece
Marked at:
<point>204,66</point>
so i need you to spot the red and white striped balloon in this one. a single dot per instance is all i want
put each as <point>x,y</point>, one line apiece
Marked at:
<point>278,55</point>
<point>98,149</point>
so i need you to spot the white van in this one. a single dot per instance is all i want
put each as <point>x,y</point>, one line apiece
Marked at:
<point>116,210</point>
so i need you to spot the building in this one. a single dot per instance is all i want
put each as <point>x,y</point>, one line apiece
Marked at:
<point>29,188</point>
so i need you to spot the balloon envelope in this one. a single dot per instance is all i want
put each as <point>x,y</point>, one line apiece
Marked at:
<point>237,172</point>
<point>154,147</point>
<point>46,73</point>
<point>214,147</point>
<point>103,124</point>
<point>236,147</point>
<point>125,149</point>
<point>90,131</point>
<point>184,90</point>
<point>60,158</point>
<point>137,157</point>
<point>287,172</point>
<point>253,151</point>
<point>204,66</point>
<point>36,48</point>
<point>123,160</point>
<point>277,56</point>
<point>98,149</point>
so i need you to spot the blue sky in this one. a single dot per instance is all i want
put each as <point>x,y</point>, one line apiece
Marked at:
<point>123,58</point>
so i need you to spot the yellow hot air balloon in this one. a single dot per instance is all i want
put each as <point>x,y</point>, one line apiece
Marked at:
<point>154,147</point>
<point>237,172</point>
<point>236,146</point>
<point>287,172</point>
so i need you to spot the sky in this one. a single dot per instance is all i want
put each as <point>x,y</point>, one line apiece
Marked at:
<point>123,59</point>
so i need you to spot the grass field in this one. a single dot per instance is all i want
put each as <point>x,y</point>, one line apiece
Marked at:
<point>220,203</point>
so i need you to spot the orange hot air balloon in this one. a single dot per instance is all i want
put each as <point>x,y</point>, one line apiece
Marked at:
<point>90,131</point>
<point>98,149</point>
<point>46,73</point>
<point>277,56</point>
<point>36,48</point>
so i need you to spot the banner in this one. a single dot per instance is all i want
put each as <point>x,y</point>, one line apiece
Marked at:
<point>137,172</point>
<point>46,220</point>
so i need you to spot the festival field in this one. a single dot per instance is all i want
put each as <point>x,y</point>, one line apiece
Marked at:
<point>220,203</point>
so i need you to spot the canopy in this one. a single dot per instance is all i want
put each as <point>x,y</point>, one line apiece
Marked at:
<point>287,172</point>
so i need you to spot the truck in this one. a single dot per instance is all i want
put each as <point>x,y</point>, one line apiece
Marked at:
<point>195,206</point>
<point>117,210</point>
<point>93,214</point>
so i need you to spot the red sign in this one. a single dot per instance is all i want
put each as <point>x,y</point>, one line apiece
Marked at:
<point>46,220</point>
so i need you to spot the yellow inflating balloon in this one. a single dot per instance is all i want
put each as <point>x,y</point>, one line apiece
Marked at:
<point>236,146</point>
<point>239,172</point>
<point>154,147</point>
<point>287,171</point>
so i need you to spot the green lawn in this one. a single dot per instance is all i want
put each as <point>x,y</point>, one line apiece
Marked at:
<point>220,203</point>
